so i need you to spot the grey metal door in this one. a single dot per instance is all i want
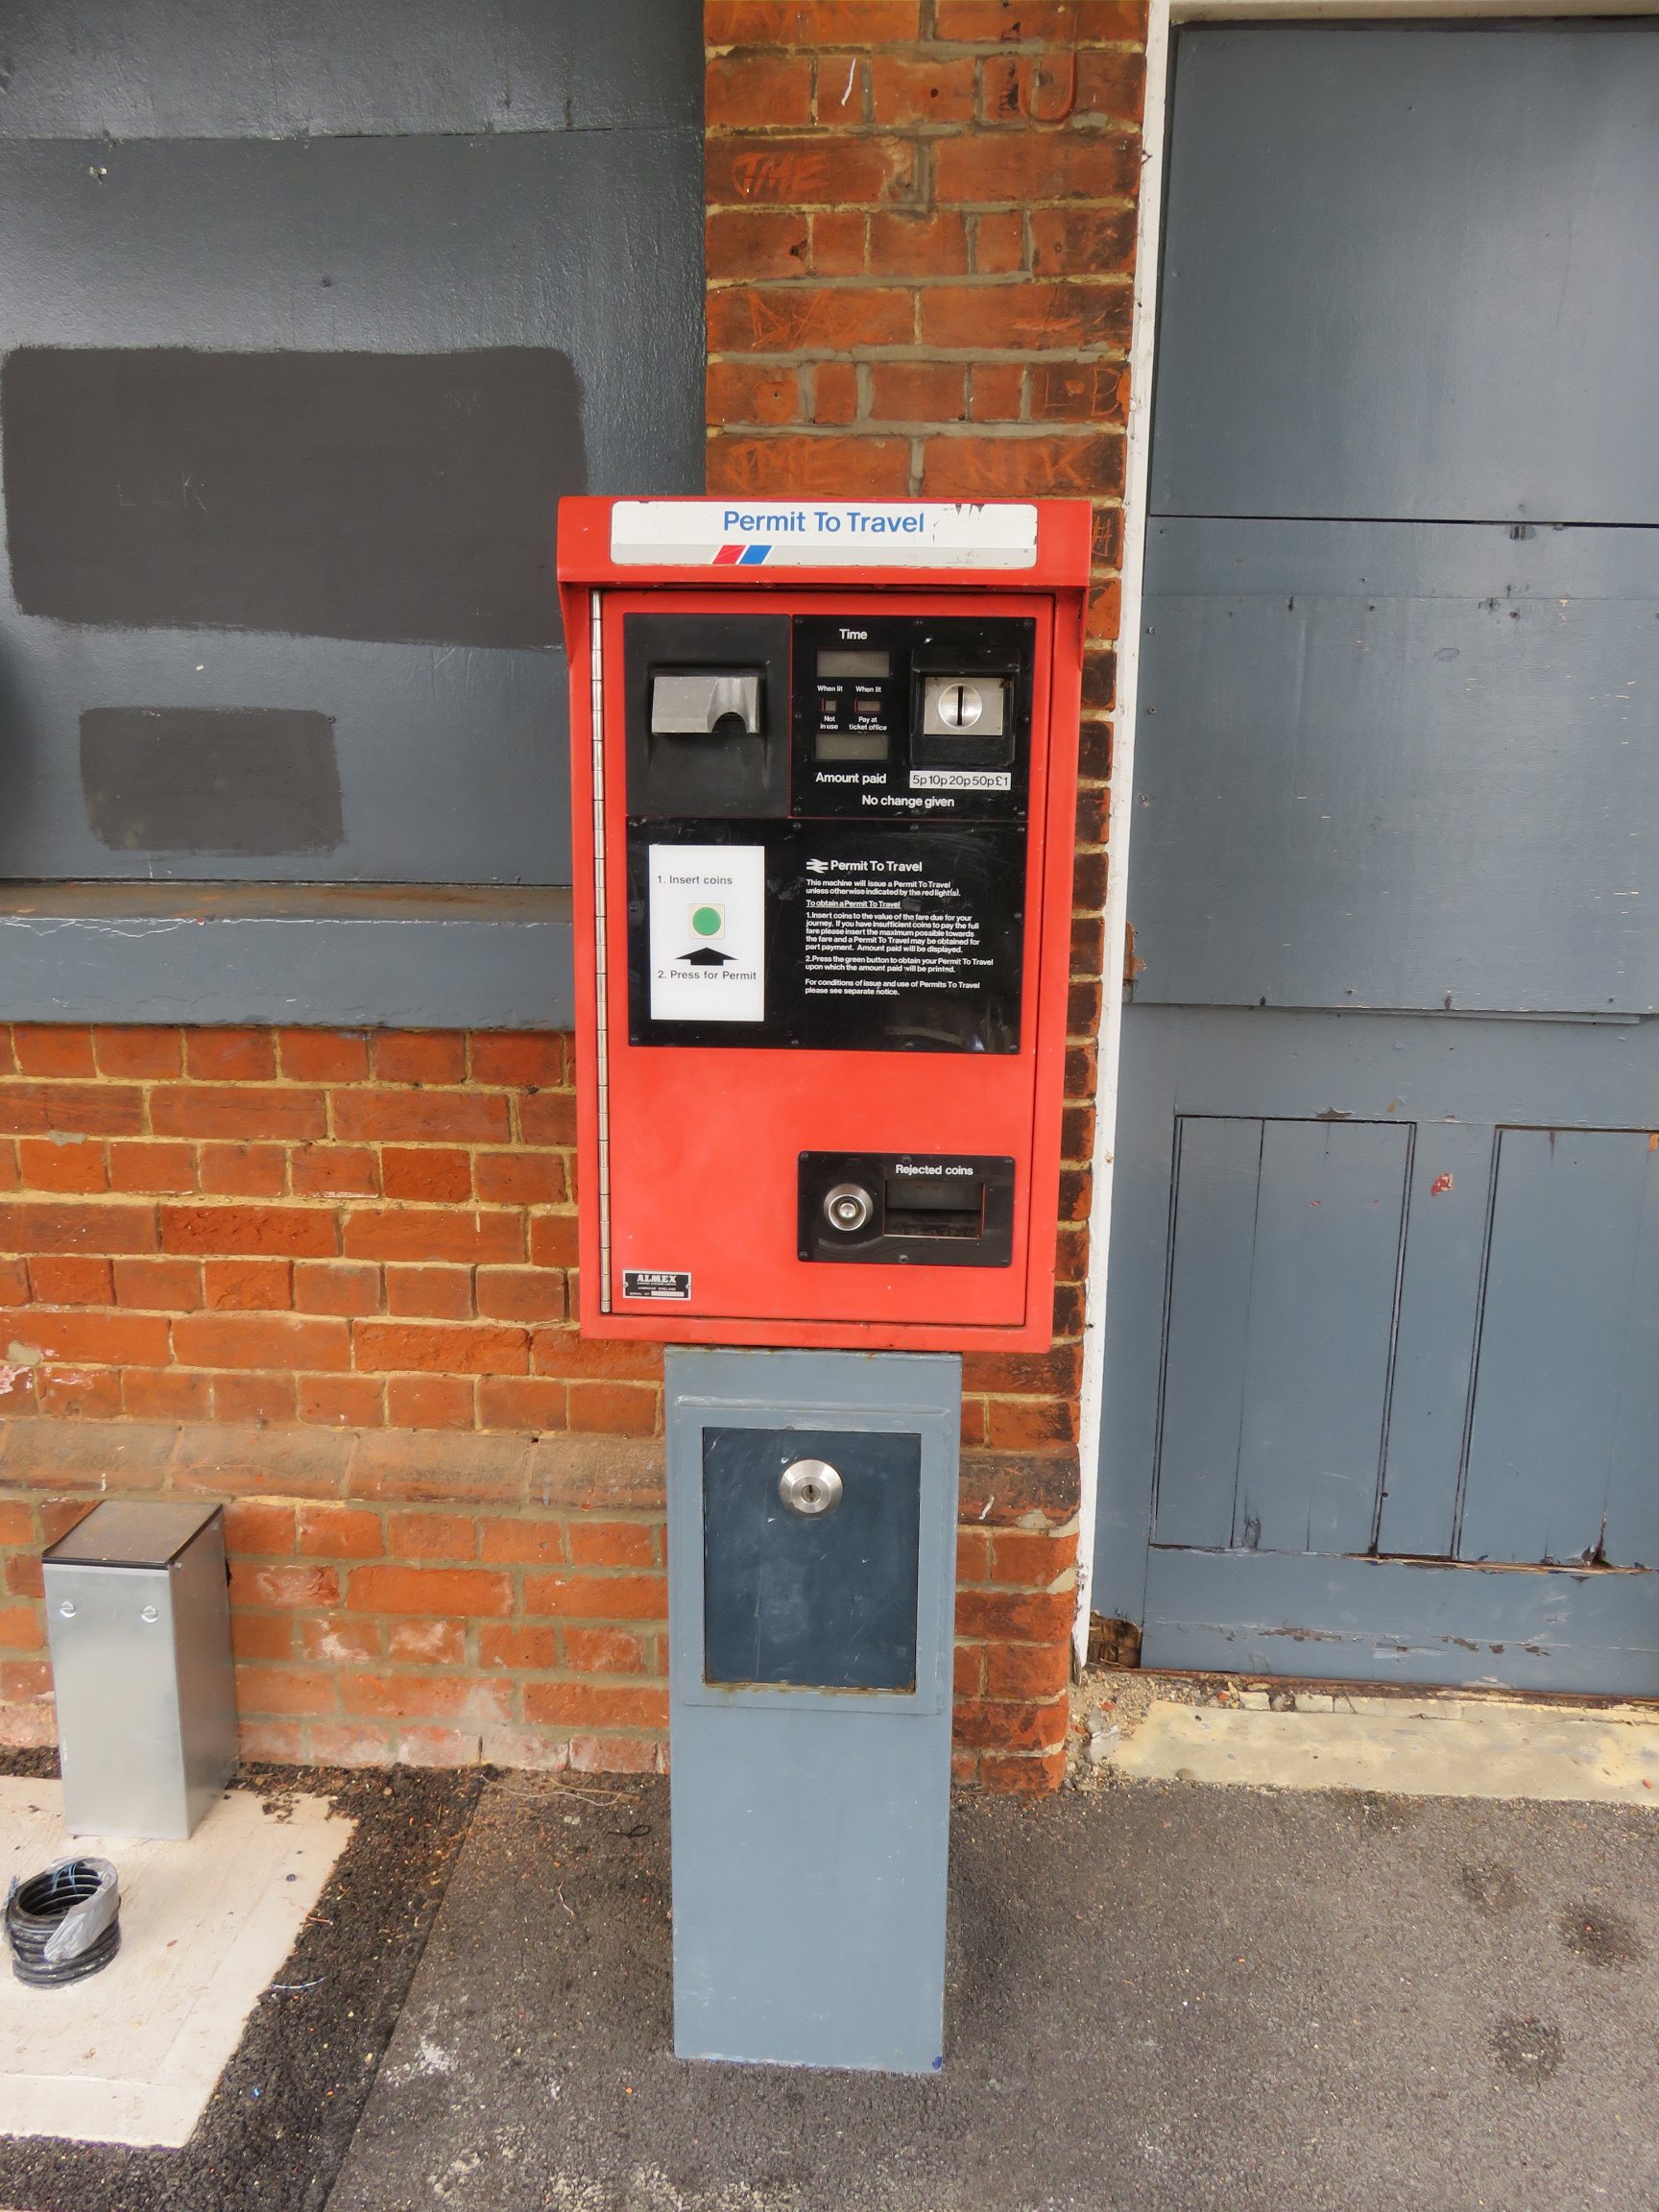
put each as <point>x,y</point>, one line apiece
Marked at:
<point>1383,1339</point>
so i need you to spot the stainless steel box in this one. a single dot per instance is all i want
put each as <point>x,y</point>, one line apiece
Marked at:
<point>139,1620</point>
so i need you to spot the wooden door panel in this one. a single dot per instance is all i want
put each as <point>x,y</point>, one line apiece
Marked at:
<point>1564,1439</point>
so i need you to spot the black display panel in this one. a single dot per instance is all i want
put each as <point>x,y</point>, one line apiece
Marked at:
<point>884,909</point>
<point>866,742</point>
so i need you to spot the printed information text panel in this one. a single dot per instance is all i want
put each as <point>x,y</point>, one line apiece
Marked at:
<point>871,939</point>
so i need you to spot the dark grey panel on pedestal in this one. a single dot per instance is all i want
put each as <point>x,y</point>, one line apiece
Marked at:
<point>821,1600</point>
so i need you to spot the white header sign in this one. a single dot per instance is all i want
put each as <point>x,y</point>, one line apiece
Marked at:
<point>816,533</point>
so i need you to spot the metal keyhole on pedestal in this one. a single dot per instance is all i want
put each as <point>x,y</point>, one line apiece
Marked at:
<point>810,1487</point>
<point>960,706</point>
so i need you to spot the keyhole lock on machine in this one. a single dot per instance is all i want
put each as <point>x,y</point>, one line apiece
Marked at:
<point>847,1207</point>
<point>810,1487</point>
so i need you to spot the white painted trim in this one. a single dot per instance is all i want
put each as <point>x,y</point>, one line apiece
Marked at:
<point>1137,456</point>
<point>1391,11</point>
<point>1163,15</point>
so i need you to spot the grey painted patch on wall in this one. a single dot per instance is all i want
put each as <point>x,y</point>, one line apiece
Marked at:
<point>391,497</point>
<point>247,781</point>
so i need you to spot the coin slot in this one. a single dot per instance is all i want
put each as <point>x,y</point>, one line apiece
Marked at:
<point>964,722</point>
<point>953,706</point>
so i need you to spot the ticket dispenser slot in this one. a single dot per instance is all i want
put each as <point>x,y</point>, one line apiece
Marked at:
<point>720,703</point>
<point>708,716</point>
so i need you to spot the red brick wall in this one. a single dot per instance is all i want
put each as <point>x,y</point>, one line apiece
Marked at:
<point>340,1228</point>
<point>298,1225</point>
<point>446,1598</point>
<point>327,1276</point>
<point>921,234</point>
<point>392,1596</point>
<point>921,227</point>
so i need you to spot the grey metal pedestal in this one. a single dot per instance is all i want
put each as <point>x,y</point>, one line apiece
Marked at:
<point>811,1564</point>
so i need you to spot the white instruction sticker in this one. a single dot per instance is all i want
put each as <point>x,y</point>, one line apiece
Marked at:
<point>708,908</point>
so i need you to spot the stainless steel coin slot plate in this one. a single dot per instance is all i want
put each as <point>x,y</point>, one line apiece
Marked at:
<point>810,1487</point>
<point>954,705</point>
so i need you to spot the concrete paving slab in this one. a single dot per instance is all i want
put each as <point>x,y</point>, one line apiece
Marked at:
<point>1163,1997</point>
<point>282,2113</point>
<point>1439,1748</point>
<point>131,2054</point>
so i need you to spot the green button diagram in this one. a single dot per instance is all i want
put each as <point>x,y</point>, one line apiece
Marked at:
<point>707,921</point>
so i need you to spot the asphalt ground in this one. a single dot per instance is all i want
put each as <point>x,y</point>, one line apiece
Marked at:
<point>1162,1995</point>
<point>277,2126</point>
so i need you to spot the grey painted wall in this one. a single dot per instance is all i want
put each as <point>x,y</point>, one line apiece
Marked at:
<point>511,182</point>
<point>1345,724</point>
<point>354,956</point>
<point>1391,255</point>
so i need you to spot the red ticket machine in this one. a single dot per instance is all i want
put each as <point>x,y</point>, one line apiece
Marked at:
<point>823,770</point>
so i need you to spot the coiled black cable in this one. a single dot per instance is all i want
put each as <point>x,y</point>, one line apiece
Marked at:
<point>35,1911</point>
